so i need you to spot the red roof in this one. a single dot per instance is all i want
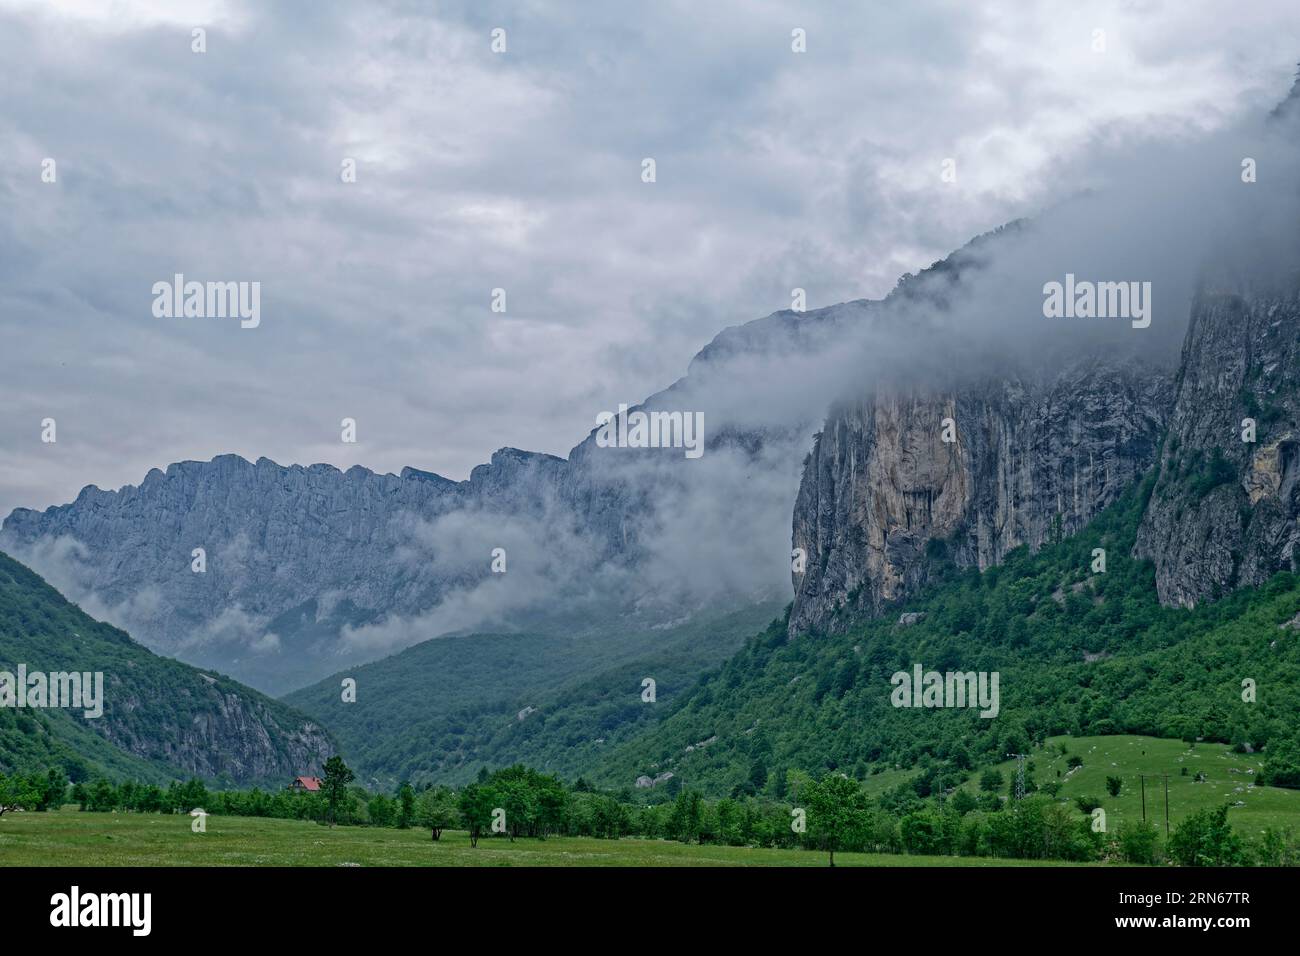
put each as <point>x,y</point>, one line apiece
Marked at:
<point>307,783</point>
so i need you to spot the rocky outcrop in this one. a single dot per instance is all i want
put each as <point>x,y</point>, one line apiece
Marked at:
<point>902,478</point>
<point>226,732</point>
<point>1224,510</point>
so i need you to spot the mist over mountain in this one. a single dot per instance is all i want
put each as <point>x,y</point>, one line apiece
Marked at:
<point>312,569</point>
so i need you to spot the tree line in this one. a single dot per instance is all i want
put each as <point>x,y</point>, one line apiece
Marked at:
<point>830,814</point>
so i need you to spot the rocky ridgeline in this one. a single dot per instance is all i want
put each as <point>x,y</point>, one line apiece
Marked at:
<point>298,555</point>
<point>292,553</point>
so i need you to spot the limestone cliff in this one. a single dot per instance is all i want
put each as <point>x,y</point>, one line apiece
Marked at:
<point>1029,457</point>
<point>1224,510</point>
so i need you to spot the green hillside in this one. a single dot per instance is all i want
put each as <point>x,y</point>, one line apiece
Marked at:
<point>1200,776</point>
<point>821,701</point>
<point>161,719</point>
<point>442,709</point>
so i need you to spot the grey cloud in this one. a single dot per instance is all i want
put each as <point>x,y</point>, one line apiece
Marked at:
<point>775,171</point>
<point>519,171</point>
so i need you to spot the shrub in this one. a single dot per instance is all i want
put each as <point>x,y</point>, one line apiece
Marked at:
<point>1138,842</point>
<point>1206,839</point>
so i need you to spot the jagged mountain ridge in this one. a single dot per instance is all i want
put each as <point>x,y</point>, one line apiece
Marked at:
<point>312,569</point>
<point>281,542</point>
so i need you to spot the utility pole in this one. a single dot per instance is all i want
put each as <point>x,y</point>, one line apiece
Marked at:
<point>1143,780</point>
<point>1020,775</point>
<point>1166,776</point>
<point>942,794</point>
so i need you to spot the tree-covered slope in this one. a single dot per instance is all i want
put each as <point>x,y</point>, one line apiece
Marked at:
<point>442,709</point>
<point>161,718</point>
<point>1077,652</point>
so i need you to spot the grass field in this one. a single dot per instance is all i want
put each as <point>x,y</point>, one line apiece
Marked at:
<point>1228,779</point>
<point>71,838</point>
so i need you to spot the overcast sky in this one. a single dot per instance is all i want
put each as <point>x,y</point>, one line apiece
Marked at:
<point>518,170</point>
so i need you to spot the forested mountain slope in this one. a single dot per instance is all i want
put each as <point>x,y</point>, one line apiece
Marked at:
<point>161,719</point>
<point>1077,652</point>
<point>442,709</point>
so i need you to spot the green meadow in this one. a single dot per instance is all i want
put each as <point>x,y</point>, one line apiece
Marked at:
<point>72,838</point>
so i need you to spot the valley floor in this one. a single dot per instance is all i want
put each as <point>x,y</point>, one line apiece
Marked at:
<point>72,838</point>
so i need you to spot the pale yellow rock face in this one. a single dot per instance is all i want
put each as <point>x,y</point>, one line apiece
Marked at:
<point>1264,477</point>
<point>917,485</point>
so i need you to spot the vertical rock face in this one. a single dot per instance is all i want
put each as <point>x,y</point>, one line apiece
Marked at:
<point>1224,511</point>
<point>883,492</point>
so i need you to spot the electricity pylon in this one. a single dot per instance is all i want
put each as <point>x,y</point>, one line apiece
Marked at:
<point>1020,775</point>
